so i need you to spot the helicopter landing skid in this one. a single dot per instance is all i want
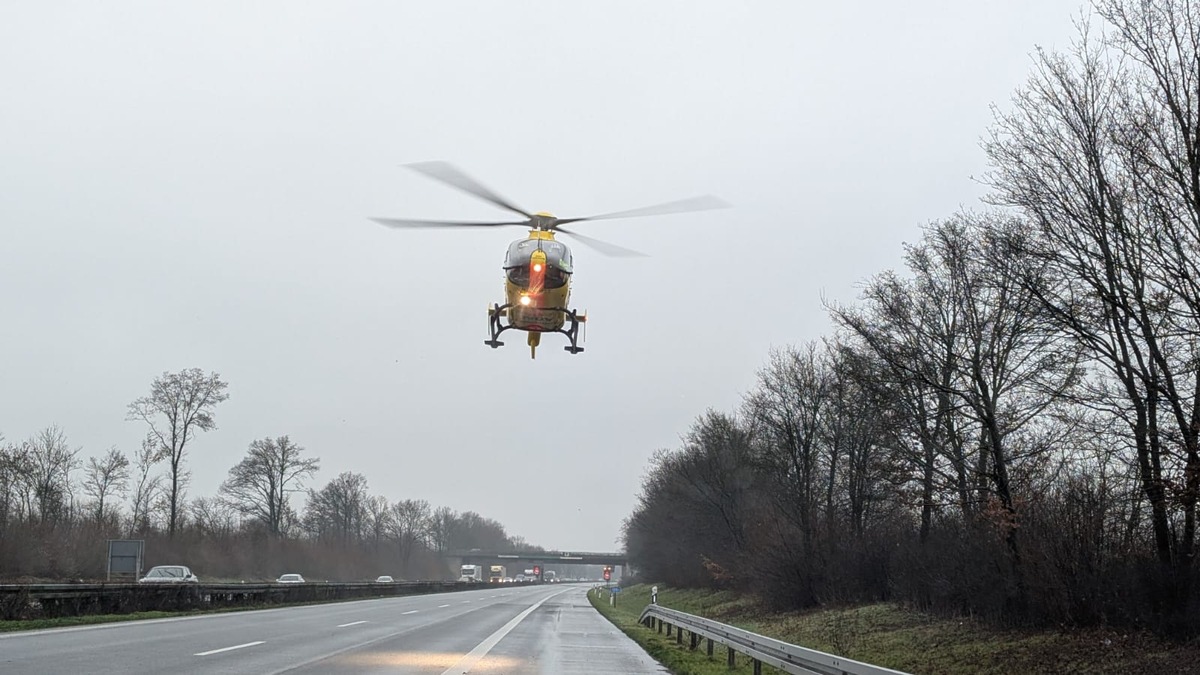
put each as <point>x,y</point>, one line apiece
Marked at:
<point>495,327</point>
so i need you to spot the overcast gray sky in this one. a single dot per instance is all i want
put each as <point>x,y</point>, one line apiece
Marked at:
<point>190,186</point>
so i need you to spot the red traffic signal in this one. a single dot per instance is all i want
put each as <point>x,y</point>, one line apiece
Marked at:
<point>607,573</point>
<point>537,570</point>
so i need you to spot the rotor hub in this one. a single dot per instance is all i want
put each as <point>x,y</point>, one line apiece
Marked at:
<point>544,220</point>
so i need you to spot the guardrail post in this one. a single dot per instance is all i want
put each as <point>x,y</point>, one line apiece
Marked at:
<point>757,649</point>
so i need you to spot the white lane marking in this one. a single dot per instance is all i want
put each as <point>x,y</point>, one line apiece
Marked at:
<point>466,602</point>
<point>412,612</point>
<point>352,623</point>
<point>228,649</point>
<point>442,606</point>
<point>473,657</point>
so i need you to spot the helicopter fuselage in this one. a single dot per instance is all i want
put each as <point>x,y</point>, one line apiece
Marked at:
<point>537,282</point>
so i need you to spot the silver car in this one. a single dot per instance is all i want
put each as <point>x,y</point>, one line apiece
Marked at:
<point>169,574</point>
<point>290,579</point>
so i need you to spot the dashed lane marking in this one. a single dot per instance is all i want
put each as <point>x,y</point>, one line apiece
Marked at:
<point>228,649</point>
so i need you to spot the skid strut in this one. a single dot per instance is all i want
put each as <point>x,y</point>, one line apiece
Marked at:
<point>496,327</point>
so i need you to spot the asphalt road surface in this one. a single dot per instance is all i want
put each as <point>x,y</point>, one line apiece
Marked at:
<point>547,630</point>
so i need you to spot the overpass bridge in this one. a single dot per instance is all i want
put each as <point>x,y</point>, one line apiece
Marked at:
<point>481,557</point>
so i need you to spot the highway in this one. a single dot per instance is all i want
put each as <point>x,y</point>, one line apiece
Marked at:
<point>547,630</point>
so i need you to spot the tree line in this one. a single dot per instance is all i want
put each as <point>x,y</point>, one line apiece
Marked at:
<point>57,511</point>
<point>1010,425</point>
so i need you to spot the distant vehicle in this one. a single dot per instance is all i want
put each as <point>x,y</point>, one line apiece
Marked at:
<point>496,574</point>
<point>290,579</point>
<point>471,573</point>
<point>521,578</point>
<point>549,577</point>
<point>506,580</point>
<point>385,580</point>
<point>169,574</point>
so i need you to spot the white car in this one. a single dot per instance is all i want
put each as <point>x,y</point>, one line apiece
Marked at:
<point>169,574</point>
<point>385,580</point>
<point>290,579</point>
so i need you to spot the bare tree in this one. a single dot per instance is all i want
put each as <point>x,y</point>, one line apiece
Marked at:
<point>211,517</point>
<point>179,405</point>
<point>441,523</point>
<point>854,431</point>
<point>411,522</point>
<point>908,332</point>
<point>471,530</point>
<point>15,473</point>
<point>51,462</point>
<point>259,486</point>
<point>379,519</point>
<point>338,511</point>
<point>786,408</point>
<point>106,477</point>
<point>1102,150</point>
<point>146,487</point>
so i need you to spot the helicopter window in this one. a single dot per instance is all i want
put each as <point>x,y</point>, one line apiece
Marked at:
<point>519,275</point>
<point>519,252</point>
<point>555,277</point>
<point>558,261</point>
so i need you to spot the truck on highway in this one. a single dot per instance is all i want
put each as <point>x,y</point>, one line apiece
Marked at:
<point>496,574</point>
<point>549,576</point>
<point>471,573</point>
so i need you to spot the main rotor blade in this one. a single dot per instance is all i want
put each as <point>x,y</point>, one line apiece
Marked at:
<point>603,246</point>
<point>450,175</point>
<point>406,222</point>
<point>702,203</point>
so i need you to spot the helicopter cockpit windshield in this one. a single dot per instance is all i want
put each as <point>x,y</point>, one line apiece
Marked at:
<point>558,261</point>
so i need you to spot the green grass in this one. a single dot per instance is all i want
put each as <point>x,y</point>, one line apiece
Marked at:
<point>679,659</point>
<point>90,619</point>
<point>895,637</point>
<point>36,624</point>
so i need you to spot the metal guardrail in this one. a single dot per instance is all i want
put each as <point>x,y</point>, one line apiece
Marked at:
<point>761,649</point>
<point>59,600</point>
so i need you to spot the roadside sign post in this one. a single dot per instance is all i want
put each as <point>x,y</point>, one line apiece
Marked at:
<point>654,595</point>
<point>125,558</point>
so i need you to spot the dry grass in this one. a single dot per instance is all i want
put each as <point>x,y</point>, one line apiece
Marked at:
<point>895,637</point>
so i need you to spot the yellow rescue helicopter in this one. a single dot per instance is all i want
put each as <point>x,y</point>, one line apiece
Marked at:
<point>538,268</point>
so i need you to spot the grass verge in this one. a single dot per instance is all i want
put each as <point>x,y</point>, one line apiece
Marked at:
<point>63,622</point>
<point>90,619</point>
<point>895,637</point>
